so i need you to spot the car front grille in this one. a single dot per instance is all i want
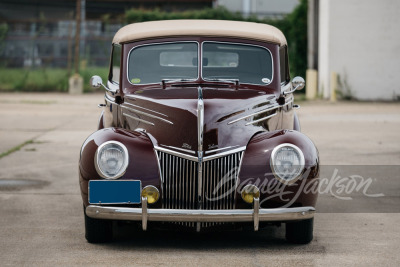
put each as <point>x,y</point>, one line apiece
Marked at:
<point>180,182</point>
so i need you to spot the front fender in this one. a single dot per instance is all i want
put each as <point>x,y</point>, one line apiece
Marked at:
<point>142,159</point>
<point>256,170</point>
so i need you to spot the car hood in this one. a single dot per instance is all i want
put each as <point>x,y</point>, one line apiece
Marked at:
<point>171,116</point>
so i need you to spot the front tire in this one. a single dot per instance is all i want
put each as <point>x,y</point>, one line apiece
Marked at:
<point>97,231</point>
<point>300,232</point>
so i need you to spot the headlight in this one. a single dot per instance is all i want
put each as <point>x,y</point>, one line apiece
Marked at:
<point>249,192</point>
<point>111,160</point>
<point>287,163</point>
<point>151,193</point>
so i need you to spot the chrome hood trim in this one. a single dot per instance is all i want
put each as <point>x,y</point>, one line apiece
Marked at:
<point>196,159</point>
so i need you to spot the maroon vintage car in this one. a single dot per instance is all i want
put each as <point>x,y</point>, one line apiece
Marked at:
<point>199,132</point>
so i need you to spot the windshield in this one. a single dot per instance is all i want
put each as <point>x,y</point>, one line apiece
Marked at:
<point>157,62</point>
<point>246,63</point>
<point>179,61</point>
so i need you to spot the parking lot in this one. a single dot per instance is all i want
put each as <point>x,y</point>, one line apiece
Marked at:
<point>41,216</point>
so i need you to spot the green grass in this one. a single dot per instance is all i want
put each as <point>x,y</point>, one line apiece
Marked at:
<point>44,79</point>
<point>16,148</point>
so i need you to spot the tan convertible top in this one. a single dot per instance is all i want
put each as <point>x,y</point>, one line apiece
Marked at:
<point>209,28</point>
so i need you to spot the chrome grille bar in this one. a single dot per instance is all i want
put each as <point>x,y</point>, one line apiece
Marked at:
<point>180,177</point>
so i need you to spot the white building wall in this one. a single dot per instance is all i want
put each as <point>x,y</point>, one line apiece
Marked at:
<point>360,40</point>
<point>259,7</point>
<point>232,5</point>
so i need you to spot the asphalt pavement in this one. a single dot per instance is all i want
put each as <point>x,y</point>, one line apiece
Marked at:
<point>41,216</point>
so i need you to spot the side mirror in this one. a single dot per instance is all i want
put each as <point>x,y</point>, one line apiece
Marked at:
<point>298,83</point>
<point>97,82</point>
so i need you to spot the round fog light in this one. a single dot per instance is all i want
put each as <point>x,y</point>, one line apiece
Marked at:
<point>249,192</point>
<point>152,194</point>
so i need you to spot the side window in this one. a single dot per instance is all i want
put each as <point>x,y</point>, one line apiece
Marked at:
<point>284,63</point>
<point>115,69</point>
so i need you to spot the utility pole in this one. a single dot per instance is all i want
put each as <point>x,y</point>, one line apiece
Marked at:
<point>76,81</point>
<point>82,41</point>
<point>77,35</point>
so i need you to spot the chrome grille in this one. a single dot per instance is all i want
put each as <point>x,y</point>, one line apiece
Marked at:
<point>180,182</point>
<point>219,182</point>
<point>179,177</point>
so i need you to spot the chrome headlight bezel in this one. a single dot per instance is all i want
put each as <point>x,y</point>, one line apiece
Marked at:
<point>296,175</point>
<point>124,164</point>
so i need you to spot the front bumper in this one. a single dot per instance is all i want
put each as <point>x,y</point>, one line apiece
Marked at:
<point>184,215</point>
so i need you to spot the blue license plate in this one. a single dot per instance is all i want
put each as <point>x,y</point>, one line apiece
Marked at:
<point>114,192</point>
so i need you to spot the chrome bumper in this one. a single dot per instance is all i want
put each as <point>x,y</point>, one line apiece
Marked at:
<point>255,215</point>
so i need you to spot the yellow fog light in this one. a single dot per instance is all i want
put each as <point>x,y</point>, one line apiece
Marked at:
<point>151,193</point>
<point>249,192</point>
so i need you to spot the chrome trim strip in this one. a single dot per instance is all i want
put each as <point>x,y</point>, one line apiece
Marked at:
<point>289,100</point>
<point>200,119</point>
<point>196,159</point>
<point>262,119</point>
<point>160,172</point>
<point>200,132</point>
<point>226,153</point>
<point>134,97</point>
<point>178,154</point>
<point>219,149</point>
<point>109,99</point>
<point>254,114</point>
<point>272,60</point>
<point>147,114</point>
<point>133,118</point>
<point>159,169</point>
<point>136,106</point>
<point>181,149</point>
<point>130,51</point>
<point>268,101</point>
<point>195,215</point>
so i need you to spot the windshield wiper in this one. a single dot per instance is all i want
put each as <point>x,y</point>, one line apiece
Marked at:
<point>164,81</point>
<point>235,81</point>
<point>202,84</point>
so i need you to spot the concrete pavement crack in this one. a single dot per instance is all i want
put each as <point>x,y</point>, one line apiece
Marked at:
<point>32,140</point>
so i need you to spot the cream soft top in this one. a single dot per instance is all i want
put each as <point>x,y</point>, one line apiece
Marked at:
<point>209,28</point>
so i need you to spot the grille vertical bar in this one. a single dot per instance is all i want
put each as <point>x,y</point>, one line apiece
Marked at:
<point>220,181</point>
<point>180,183</point>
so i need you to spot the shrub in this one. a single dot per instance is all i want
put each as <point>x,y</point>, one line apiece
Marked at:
<point>44,79</point>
